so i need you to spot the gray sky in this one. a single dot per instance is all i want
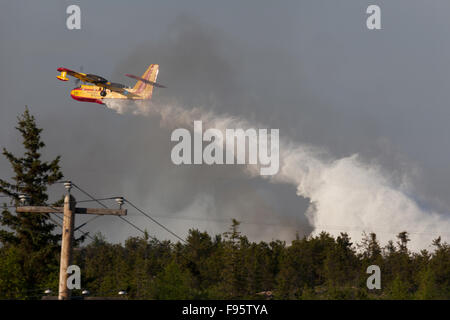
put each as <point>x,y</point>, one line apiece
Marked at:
<point>310,68</point>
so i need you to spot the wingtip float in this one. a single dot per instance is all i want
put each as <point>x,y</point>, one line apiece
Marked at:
<point>100,88</point>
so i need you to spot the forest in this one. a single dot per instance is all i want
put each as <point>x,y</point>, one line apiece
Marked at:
<point>204,266</point>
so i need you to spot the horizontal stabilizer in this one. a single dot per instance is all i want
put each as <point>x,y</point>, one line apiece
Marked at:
<point>155,84</point>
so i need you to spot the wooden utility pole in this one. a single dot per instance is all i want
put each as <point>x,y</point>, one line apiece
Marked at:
<point>69,210</point>
<point>66,245</point>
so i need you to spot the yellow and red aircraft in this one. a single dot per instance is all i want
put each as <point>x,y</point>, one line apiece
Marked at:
<point>102,88</point>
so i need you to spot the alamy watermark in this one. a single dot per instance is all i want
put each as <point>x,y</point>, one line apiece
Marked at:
<point>73,21</point>
<point>263,147</point>
<point>373,21</point>
<point>374,281</point>
<point>74,278</point>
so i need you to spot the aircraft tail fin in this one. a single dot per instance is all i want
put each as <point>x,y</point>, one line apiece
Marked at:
<point>143,89</point>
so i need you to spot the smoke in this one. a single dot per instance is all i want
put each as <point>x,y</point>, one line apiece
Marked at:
<point>370,190</point>
<point>348,194</point>
<point>345,194</point>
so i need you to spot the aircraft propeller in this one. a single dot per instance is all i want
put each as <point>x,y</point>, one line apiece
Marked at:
<point>77,81</point>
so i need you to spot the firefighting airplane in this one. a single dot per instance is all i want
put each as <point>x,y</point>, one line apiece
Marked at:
<point>103,88</point>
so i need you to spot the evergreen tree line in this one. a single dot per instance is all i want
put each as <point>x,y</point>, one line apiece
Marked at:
<point>229,266</point>
<point>226,266</point>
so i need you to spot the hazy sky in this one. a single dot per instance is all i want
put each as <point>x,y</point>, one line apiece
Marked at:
<point>309,68</point>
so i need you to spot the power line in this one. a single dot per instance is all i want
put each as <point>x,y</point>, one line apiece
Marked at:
<point>95,200</point>
<point>53,220</point>
<point>224,221</point>
<point>324,227</point>
<point>84,233</point>
<point>100,203</point>
<point>152,219</point>
<point>329,227</point>
<point>141,211</point>
<point>165,228</point>
<point>96,217</point>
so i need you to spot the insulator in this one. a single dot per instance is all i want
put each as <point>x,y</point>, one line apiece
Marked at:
<point>23,198</point>
<point>68,185</point>
<point>120,201</point>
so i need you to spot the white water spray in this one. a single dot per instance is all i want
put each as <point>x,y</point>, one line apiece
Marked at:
<point>347,195</point>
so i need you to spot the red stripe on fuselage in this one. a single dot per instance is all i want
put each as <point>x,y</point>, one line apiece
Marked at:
<point>83,99</point>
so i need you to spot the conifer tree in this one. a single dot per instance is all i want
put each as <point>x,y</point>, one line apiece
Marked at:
<point>30,233</point>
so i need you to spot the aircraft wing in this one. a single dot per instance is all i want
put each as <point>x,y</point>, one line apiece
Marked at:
<point>97,80</point>
<point>117,87</point>
<point>79,75</point>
